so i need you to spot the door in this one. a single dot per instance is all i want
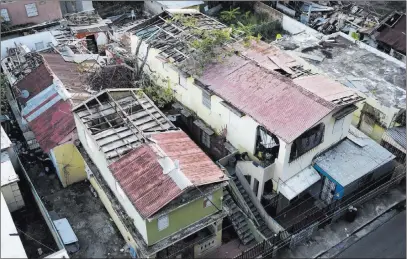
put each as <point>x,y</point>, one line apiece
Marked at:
<point>328,190</point>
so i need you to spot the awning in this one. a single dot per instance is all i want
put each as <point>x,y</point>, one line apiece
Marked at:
<point>299,183</point>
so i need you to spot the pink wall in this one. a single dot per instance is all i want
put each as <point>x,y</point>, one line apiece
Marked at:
<point>47,11</point>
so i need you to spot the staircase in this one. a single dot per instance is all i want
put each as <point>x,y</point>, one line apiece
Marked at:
<point>262,227</point>
<point>238,219</point>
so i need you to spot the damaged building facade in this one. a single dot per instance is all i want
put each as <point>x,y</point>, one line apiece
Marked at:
<point>280,144</point>
<point>162,191</point>
<point>376,76</point>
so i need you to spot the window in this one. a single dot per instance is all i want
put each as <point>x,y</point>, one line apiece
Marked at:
<point>163,222</point>
<point>206,139</point>
<point>4,14</point>
<point>31,10</point>
<point>206,99</point>
<point>256,186</point>
<point>182,81</point>
<point>338,126</point>
<point>208,201</point>
<point>39,45</point>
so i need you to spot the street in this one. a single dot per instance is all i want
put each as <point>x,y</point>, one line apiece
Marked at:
<point>387,241</point>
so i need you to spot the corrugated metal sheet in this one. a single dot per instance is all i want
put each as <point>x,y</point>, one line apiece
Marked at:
<point>271,99</point>
<point>141,176</point>
<point>49,117</point>
<point>194,163</point>
<point>398,134</point>
<point>395,36</point>
<point>328,89</point>
<point>70,75</point>
<point>36,81</point>
<point>347,161</point>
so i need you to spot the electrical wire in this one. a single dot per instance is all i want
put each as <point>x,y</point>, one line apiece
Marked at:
<point>35,239</point>
<point>336,212</point>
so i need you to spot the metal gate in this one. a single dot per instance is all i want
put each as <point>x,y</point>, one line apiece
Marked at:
<point>303,235</point>
<point>328,191</point>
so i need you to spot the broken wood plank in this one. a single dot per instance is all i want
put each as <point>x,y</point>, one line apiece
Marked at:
<point>312,57</point>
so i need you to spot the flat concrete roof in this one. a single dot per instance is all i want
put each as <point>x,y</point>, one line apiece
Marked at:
<point>355,67</point>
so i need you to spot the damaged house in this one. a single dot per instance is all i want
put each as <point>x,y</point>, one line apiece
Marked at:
<point>164,194</point>
<point>376,76</point>
<point>278,114</point>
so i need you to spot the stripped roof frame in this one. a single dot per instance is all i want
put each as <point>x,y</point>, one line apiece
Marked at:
<point>158,32</point>
<point>119,120</point>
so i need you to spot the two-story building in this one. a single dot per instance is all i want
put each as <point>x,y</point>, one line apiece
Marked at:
<point>280,122</point>
<point>30,12</point>
<point>163,192</point>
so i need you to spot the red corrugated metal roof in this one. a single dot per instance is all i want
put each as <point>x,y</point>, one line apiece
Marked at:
<point>70,75</point>
<point>51,126</point>
<point>142,179</point>
<point>53,123</point>
<point>194,163</point>
<point>271,99</point>
<point>36,81</point>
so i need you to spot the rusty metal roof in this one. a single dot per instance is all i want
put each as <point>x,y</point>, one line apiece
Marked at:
<point>271,99</point>
<point>141,176</point>
<point>47,112</point>
<point>33,83</point>
<point>72,75</point>
<point>394,36</point>
<point>50,118</point>
<point>194,163</point>
<point>328,89</point>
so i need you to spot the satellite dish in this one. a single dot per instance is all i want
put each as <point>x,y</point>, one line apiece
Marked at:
<point>24,94</point>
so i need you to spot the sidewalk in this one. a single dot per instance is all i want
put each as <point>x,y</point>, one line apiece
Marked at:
<point>330,236</point>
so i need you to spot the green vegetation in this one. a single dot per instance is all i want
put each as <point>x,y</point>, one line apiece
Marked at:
<point>161,96</point>
<point>251,25</point>
<point>3,99</point>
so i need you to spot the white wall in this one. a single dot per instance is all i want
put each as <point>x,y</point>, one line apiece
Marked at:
<point>45,37</point>
<point>100,161</point>
<point>12,195</point>
<point>241,132</point>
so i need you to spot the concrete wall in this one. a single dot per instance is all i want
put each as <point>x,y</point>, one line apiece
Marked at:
<point>43,210</point>
<point>127,236</point>
<point>47,11</point>
<point>12,196</point>
<point>183,217</point>
<point>100,161</point>
<point>209,244</point>
<point>45,38</point>
<point>241,131</point>
<point>289,24</point>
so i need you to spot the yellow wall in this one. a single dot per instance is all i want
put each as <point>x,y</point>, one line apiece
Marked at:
<point>69,163</point>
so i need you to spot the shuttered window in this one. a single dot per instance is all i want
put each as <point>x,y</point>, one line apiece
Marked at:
<point>31,10</point>
<point>4,14</point>
<point>206,99</point>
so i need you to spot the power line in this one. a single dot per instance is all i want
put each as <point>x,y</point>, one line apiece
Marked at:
<point>334,213</point>
<point>35,239</point>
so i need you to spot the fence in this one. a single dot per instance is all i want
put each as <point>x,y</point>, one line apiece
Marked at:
<point>265,247</point>
<point>304,229</point>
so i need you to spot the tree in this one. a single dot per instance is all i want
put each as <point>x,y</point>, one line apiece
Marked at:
<point>3,98</point>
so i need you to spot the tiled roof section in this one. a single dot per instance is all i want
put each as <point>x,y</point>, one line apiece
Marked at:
<point>271,99</point>
<point>70,75</point>
<point>194,163</point>
<point>36,81</point>
<point>141,178</point>
<point>52,125</point>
